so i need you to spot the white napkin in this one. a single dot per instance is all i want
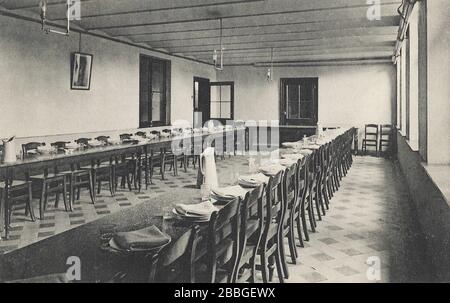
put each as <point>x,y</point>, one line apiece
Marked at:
<point>253,180</point>
<point>271,170</point>
<point>201,210</point>
<point>228,193</point>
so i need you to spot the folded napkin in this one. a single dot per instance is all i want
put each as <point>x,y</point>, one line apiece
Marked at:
<point>228,193</point>
<point>143,239</point>
<point>271,170</point>
<point>201,210</point>
<point>253,180</point>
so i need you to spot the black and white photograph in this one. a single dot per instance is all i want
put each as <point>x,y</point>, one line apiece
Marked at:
<point>81,71</point>
<point>246,142</point>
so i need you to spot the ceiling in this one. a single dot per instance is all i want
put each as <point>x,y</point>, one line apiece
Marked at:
<point>297,30</point>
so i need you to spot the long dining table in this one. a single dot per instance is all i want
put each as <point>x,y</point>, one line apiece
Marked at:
<point>37,163</point>
<point>50,255</point>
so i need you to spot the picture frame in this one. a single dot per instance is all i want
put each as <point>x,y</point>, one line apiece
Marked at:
<point>81,71</point>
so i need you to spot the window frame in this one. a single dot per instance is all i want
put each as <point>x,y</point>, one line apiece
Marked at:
<point>220,84</point>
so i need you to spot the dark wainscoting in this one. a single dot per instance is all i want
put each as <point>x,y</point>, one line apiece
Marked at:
<point>433,210</point>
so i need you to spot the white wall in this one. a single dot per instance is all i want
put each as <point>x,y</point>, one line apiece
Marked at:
<point>35,95</point>
<point>438,95</point>
<point>348,95</point>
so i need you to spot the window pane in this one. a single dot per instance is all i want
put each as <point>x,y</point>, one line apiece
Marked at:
<point>144,112</point>
<point>306,111</point>
<point>156,106</point>
<point>292,92</point>
<point>215,110</point>
<point>215,93</point>
<point>195,95</point>
<point>306,92</point>
<point>293,110</point>
<point>157,76</point>
<point>225,93</point>
<point>225,108</point>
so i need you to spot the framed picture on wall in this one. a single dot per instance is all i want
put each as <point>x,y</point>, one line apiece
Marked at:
<point>81,70</point>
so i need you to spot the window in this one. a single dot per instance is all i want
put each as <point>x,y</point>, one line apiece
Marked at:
<point>222,101</point>
<point>299,101</point>
<point>154,96</point>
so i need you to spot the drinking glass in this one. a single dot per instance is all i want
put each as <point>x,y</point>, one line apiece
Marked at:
<point>205,191</point>
<point>167,215</point>
<point>107,231</point>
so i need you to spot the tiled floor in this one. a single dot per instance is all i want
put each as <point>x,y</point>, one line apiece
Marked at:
<point>369,220</point>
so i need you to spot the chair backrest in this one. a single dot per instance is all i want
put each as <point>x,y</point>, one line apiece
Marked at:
<point>176,265</point>
<point>274,200</point>
<point>83,141</point>
<point>31,146</point>
<point>371,130</point>
<point>385,130</point>
<point>59,144</point>
<point>221,238</point>
<point>251,225</point>
<point>125,136</point>
<point>289,191</point>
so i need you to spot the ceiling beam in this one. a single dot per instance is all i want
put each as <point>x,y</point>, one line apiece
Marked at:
<point>149,7</point>
<point>288,42</point>
<point>199,15</point>
<point>273,37</point>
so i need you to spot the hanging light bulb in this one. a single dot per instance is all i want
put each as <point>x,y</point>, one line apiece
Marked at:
<point>219,66</point>
<point>43,8</point>
<point>270,69</point>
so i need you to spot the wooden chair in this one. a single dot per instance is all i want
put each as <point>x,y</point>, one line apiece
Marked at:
<point>31,148</point>
<point>48,182</point>
<point>79,178</point>
<point>311,188</point>
<point>251,229</point>
<point>215,248</point>
<point>301,206</point>
<point>370,137</point>
<point>290,192</point>
<point>269,249</point>
<point>176,264</point>
<point>385,137</point>
<point>160,159</point>
<point>11,192</point>
<point>101,171</point>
